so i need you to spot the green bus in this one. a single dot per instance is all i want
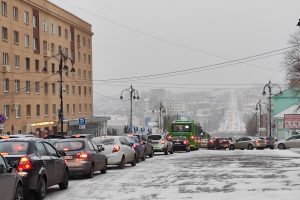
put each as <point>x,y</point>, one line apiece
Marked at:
<point>188,128</point>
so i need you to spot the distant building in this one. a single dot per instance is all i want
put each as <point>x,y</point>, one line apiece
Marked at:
<point>33,31</point>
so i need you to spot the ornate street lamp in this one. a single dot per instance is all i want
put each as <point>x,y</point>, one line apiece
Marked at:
<point>162,109</point>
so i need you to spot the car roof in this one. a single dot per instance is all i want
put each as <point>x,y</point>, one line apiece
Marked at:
<point>24,139</point>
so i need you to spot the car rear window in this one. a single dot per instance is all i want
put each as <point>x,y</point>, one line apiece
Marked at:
<point>107,141</point>
<point>154,137</point>
<point>13,148</point>
<point>69,145</point>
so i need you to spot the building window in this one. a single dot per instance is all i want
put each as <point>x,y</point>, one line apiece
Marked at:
<point>59,31</point>
<point>89,59</point>
<point>17,85</point>
<point>45,68</point>
<point>84,74</point>
<point>46,88</point>
<point>37,65</point>
<point>79,90</point>
<point>74,108</point>
<point>6,111</point>
<point>73,89</point>
<point>6,85</point>
<point>3,8</point>
<point>34,21</point>
<point>90,91</point>
<point>79,108</point>
<point>53,88</point>
<point>84,58</point>
<point>28,110</point>
<point>5,58</point>
<point>17,61</point>
<point>35,44</point>
<point>26,17</point>
<point>91,108</point>
<point>44,25</point>
<point>4,34</point>
<point>52,48</point>
<point>53,68</point>
<point>68,109</point>
<point>66,34</point>
<point>18,111</point>
<point>26,40</point>
<point>67,89</point>
<point>16,37</point>
<point>45,47</point>
<point>89,43</point>
<point>90,75</point>
<point>79,73</point>
<point>46,109</point>
<point>38,110</point>
<point>15,13</point>
<point>28,86</point>
<point>27,64</point>
<point>85,108</point>
<point>37,87</point>
<point>59,48</point>
<point>66,51</point>
<point>83,41</point>
<point>84,91</point>
<point>54,109</point>
<point>52,28</point>
<point>79,56</point>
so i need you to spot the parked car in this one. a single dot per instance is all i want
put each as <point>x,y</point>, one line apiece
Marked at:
<point>82,156</point>
<point>203,143</point>
<point>138,146</point>
<point>181,143</point>
<point>248,143</point>
<point>211,143</point>
<point>39,162</point>
<point>225,142</point>
<point>145,141</point>
<point>161,143</point>
<point>291,142</point>
<point>117,150</point>
<point>270,142</point>
<point>11,184</point>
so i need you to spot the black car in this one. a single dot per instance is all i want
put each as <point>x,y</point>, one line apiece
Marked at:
<point>39,163</point>
<point>140,148</point>
<point>181,143</point>
<point>82,156</point>
<point>11,184</point>
<point>144,140</point>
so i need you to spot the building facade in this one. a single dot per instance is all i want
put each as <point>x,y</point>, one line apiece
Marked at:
<point>32,34</point>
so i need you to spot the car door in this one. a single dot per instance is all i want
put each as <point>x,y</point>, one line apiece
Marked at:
<point>238,143</point>
<point>127,149</point>
<point>94,155</point>
<point>45,161</point>
<point>58,163</point>
<point>290,142</point>
<point>102,157</point>
<point>295,142</point>
<point>7,182</point>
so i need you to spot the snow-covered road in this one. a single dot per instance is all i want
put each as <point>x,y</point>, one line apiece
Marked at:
<point>203,174</point>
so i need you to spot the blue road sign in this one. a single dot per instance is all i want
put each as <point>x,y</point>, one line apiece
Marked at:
<point>81,122</point>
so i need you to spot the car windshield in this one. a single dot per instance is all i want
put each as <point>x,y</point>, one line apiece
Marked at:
<point>154,137</point>
<point>69,145</point>
<point>107,141</point>
<point>13,148</point>
<point>181,128</point>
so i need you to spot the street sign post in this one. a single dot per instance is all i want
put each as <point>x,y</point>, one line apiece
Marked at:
<point>81,122</point>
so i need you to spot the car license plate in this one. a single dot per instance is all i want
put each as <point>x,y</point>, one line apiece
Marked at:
<point>68,157</point>
<point>177,143</point>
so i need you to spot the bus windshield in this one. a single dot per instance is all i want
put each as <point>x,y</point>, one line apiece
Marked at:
<point>181,128</point>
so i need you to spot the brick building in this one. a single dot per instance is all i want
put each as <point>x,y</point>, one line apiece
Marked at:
<point>32,34</point>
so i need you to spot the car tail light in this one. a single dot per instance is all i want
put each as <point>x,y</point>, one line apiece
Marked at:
<point>163,141</point>
<point>116,149</point>
<point>24,164</point>
<point>81,155</point>
<point>134,146</point>
<point>184,142</point>
<point>66,149</point>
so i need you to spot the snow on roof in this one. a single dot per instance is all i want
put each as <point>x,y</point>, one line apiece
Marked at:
<point>295,109</point>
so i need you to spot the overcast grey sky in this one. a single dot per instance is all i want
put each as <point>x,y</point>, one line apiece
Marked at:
<point>142,37</point>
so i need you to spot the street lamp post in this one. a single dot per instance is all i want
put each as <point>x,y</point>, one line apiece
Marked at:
<point>134,94</point>
<point>62,68</point>
<point>270,85</point>
<point>258,107</point>
<point>162,109</point>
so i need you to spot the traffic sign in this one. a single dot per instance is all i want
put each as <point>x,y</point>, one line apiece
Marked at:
<point>2,118</point>
<point>81,122</point>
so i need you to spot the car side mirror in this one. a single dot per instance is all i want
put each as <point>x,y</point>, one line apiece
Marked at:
<point>61,153</point>
<point>101,148</point>
<point>14,164</point>
<point>2,169</point>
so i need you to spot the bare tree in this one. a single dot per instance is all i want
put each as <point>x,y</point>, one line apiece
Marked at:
<point>291,61</point>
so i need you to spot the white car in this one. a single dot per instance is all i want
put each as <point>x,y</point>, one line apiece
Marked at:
<point>161,143</point>
<point>291,142</point>
<point>117,150</point>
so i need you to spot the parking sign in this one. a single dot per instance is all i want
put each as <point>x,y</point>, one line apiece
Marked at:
<point>81,122</point>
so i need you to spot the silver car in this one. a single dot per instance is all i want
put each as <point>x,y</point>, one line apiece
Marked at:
<point>248,143</point>
<point>291,142</point>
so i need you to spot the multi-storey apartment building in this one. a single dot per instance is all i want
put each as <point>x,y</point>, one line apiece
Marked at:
<point>32,34</point>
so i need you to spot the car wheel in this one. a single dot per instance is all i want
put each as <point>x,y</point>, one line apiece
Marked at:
<point>281,146</point>
<point>151,154</point>
<point>166,151</point>
<point>104,170</point>
<point>133,163</point>
<point>91,172</point>
<point>122,163</point>
<point>231,147</point>
<point>64,184</point>
<point>41,190</point>
<point>19,193</point>
<point>250,147</point>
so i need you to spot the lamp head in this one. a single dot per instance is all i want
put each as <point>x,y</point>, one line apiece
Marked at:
<point>298,23</point>
<point>264,93</point>
<point>134,97</point>
<point>45,69</point>
<point>280,92</point>
<point>137,97</point>
<point>65,68</point>
<point>121,97</point>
